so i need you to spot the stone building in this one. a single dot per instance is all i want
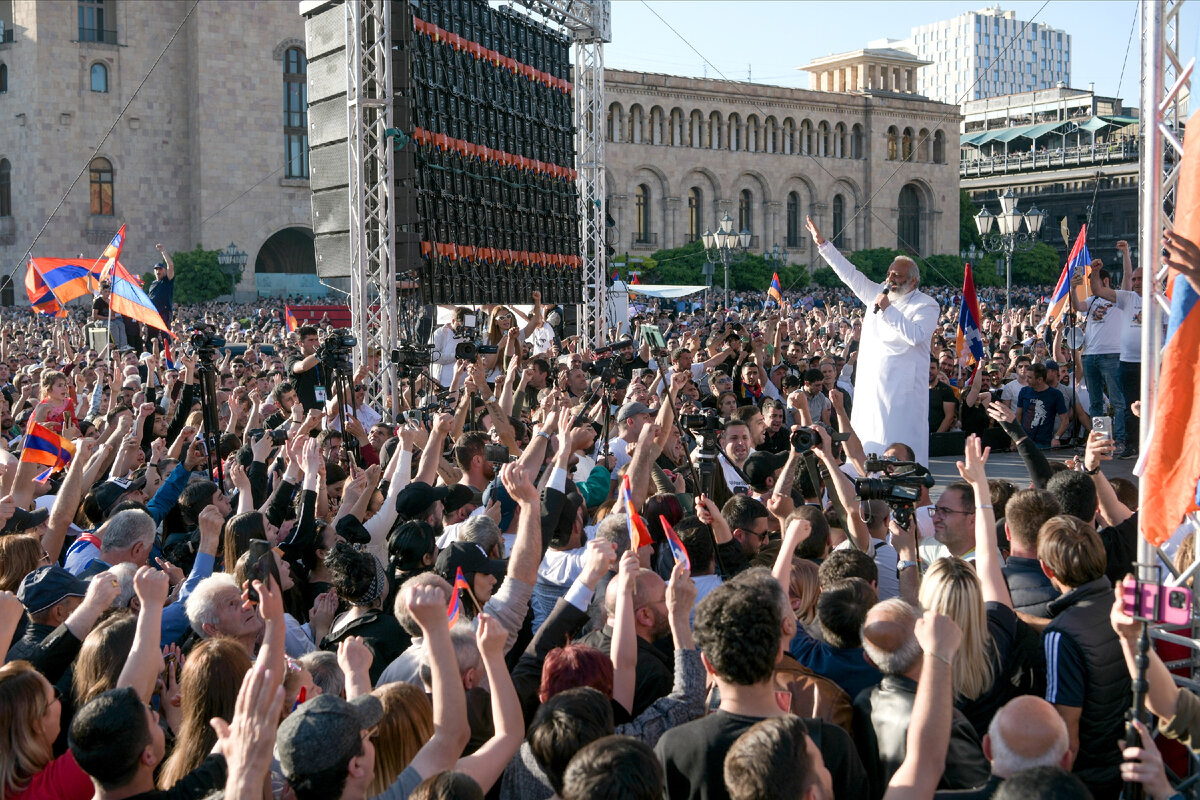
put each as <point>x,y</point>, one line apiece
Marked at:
<point>212,150</point>
<point>874,167</point>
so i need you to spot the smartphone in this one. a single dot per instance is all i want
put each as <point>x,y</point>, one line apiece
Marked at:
<point>261,565</point>
<point>496,453</point>
<point>1171,605</point>
<point>1103,425</point>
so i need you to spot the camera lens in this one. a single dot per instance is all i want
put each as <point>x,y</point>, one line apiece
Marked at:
<point>1176,598</point>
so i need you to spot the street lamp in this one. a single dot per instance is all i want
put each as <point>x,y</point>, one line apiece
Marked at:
<point>727,246</point>
<point>1002,234</point>
<point>776,255</point>
<point>232,261</point>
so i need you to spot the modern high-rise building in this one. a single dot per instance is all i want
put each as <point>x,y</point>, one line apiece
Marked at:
<point>986,53</point>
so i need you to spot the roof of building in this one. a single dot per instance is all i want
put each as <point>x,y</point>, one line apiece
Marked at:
<point>1041,129</point>
<point>874,54</point>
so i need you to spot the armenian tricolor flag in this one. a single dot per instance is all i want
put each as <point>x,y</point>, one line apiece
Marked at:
<point>129,300</point>
<point>168,359</point>
<point>460,585</point>
<point>65,278</point>
<point>1060,299</point>
<point>639,534</point>
<point>775,291</point>
<point>44,446</point>
<point>289,319</point>
<point>41,297</point>
<point>969,341</point>
<point>675,543</point>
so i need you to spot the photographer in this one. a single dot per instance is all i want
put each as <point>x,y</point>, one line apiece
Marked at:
<point>445,340</point>
<point>306,371</point>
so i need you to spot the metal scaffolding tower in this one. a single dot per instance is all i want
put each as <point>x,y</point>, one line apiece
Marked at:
<point>373,308</point>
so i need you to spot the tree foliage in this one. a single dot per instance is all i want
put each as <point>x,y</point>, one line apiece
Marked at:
<point>199,277</point>
<point>1036,267</point>
<point>968,233</point>
<point>685,265</point>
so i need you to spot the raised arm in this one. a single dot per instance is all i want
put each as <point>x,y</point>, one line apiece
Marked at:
<point>624,641</point>
<point>487,764</point>
<point>847,497</point>
<point>451,733</point>
<point>987,552</point>
<point>1100,448</point>
<point>863,287</point>
<point>145,661</point>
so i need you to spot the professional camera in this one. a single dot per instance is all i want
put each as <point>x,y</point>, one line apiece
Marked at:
<point>804,439</point>
<point>469,351</point>
<point>702,423</point>
<point>899,486</point>
<point>205,341</point>
<point>334,352</point>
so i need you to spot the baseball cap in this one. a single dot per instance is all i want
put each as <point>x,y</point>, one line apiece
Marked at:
<point>417,497</point>
<point>471,558</point>
<point>1051,364</point>
<point>762,465</point>
<point>48,586</point>
<point>324,732</point>
<point>160,265</point>
<point>108,493</point>
<point>631,408</point>
<point>23,520</point>
<point>460,495</point>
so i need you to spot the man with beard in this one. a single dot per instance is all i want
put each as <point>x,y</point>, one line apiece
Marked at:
<point>655,668</point>
<point>891,399</point>
<point>478,472</point>
<point>735,449</point>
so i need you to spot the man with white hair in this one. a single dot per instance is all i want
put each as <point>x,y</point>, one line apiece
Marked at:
<point>128,538</point>
<point>883,713</point>
<point>891,393</point>
<point>215,608</point>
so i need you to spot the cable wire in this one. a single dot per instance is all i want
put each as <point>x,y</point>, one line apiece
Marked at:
<point>104,139</point>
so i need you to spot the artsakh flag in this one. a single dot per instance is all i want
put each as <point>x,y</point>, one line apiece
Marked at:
<point>968,343</point>
<point>675,543</point>
<point>1060,299</point>
<point>41,297</point>
<point>44,446</point>
<point>639,534</point>
<point>460,583</point>
<point>775,291</point>
<point>616,276</point>
<point>1171,471</point>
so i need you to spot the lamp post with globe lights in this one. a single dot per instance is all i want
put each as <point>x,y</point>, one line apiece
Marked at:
<point>232,260</point>
<point>1002,234</point>
<point>727,246</point>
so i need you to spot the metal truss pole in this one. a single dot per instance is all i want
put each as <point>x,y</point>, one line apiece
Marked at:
<point>372,213</point>
<point>593,194</point>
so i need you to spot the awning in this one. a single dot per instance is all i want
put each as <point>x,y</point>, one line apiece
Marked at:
<point>663,290</point>
<point>972,138</point>
<point>1037,131</point>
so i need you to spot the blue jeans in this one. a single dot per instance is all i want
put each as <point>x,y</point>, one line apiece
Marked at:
<point>1103,376</point>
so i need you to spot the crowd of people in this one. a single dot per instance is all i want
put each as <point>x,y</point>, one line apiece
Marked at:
<point>549,570</point>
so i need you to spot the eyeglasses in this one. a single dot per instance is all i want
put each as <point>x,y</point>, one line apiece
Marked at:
<point>360,388</point>
<point>762,537</point>
<point>503,316</point>
<point>943,511</point>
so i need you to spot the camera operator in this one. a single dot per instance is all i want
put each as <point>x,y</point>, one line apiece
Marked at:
<point>445,340</point>
<point>307,373</point>
<point>623,359</point>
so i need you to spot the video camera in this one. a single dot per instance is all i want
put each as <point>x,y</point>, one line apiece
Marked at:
<point>205,342</point>
<point>708,423</point>
<point>899,486</point>
<point>334,352</point>
<point>410,359</point>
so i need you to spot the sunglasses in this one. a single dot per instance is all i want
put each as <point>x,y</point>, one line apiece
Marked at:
<point>359,388</point>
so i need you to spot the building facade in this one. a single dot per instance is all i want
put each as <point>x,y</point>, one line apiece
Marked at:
<point>212,150</point>
<point>987,53</point>
<point>873,167</point>
<point>1057,104</point>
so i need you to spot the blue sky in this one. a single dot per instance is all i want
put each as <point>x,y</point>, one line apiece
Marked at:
<point>771,39</point>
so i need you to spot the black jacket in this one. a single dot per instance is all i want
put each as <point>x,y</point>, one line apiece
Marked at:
<point>1031,590</point>
<point>383,635</point>
<point>881,720</point>
<point>1081,623</point>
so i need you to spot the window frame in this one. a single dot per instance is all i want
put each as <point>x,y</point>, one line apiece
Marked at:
<point>295,114</point>
<point>97,180</point>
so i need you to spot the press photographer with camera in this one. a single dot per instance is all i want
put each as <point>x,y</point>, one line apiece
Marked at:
<point>306,371</point>
<point>446,339</point>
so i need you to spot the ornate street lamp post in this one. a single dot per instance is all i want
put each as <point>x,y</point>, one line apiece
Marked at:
<point>1002,234</point>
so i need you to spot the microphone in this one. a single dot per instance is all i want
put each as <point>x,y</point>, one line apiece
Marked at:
<point>886,289</point>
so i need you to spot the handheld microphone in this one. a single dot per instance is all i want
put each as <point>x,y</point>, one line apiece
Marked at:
<point>886,289</point>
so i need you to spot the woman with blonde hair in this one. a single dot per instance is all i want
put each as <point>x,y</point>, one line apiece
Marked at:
<point>406,726</point>
<point>212,676</point>
<point>804,588</point>
<point>30,721</point>
<point>976,598</point>
<point>102,656</point>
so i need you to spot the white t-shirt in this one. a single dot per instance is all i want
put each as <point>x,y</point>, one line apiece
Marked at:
<point>1010,392</point>
<point>1104,327</point>
<point>1131,336</point>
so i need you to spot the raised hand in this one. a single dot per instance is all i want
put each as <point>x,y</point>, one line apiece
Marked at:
<point>519,482</point>
<point>598,560</point>
<point>1000,411</point>
<point>354,656</point>
<point>151,587</point>
<point>813,231</point>
<point>490,636</point>
<point>972,469</point>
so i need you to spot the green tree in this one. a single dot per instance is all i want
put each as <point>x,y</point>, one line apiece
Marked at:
<point>685,265</point>
<point>968,233</point>
<point>1036,267</point>
<point>874,263</point>
<point>199,277</point>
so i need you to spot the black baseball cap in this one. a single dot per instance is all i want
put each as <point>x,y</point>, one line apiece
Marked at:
<point>48,586</point>
<point>417,497</point>
<point>471,558</point>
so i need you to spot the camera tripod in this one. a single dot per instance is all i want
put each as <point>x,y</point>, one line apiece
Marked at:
<point>206,375</point>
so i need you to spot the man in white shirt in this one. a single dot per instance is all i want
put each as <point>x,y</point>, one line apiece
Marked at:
<point>630,420</point>
<point>1106,322</point>
<point>1012,389</point>
<point>445,340</point>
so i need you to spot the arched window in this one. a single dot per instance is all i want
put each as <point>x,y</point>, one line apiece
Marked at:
<point>714,125</point>
<point>641,205</point>
<point>793,219</point>
<point>3,78</point>
<point>924,143</point>
<point>100,180</point>
<point>612,123</point>
<point>295,112</point>
<point>735,132</point>
<point>789,137</point>
<point>907,144</point>
<point>5,188</point>
<point>695,214</point>
<point>908,225</point>
<point>752,134</point>
<point>839,220</point>
<point>656,126</point>
<point>745,211</point>
<point>99,78</point>
<point>939,147</point>
<point>892,141</point>
<point>635,124</point>
<point>823,139</point>
<point>770,129</point>
<point>676,127</point>
<point>856,141</point>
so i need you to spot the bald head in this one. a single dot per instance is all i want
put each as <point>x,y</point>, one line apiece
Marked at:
<point>651,588</point>
<point>889,638</point>
<point>1026,733</point>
